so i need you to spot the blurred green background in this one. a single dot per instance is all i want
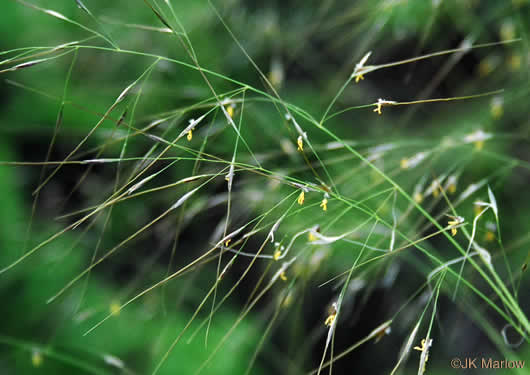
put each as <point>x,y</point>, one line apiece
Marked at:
<point>307,49</point>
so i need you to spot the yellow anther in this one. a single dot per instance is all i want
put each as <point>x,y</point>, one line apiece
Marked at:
<point>227,242</point>
<point>453,223</point>
<point>436,188</point>
<point>301,198</point>
<point>451,188</point>
<point>359,67</point>
<point>282,276</point>
<point>324,204</point>
<point>114,308</point>
<point>332,315</point>
<point>311,236</point>
<point>277,254</point>
<point>422,348</point>
<point>36,358</point>
<point>484,68</point>
<point>453,229</point>
<point>404,164</point>
<point>330,319</point>
<point>418,197</point>
<point>190,135</point>
<point>490,236</point>
<point>381,102</point>
<point>300,143</point>
<point>479,145</point>
<point>230,110</point>
<point>384,330</point>
<point>496,107</point>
